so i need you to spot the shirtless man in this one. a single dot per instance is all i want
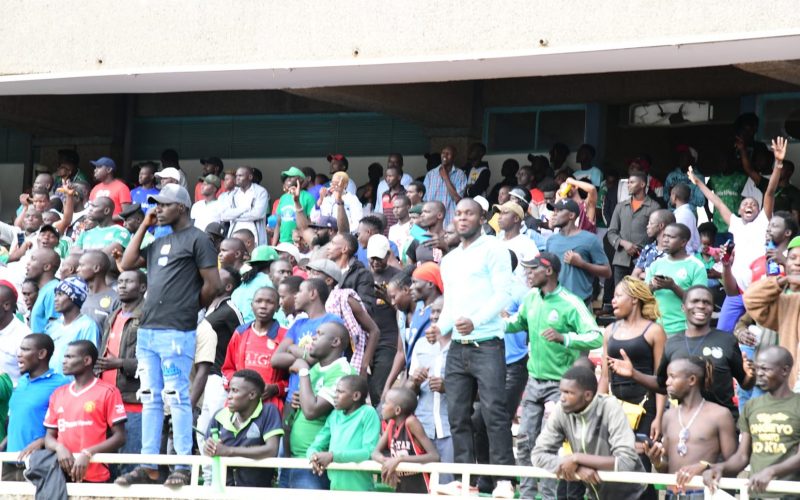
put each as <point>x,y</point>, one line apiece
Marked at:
<point>696,433</point>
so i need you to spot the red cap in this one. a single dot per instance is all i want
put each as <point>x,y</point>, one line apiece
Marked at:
<point>11,287</point>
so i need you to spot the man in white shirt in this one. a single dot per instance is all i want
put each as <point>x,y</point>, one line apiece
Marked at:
<point>339,163</point>
<point>395,160</point>
<point>247,206</point>
<point>510,223</point>
<point>12,330</point>
<point>207,210</point>
<point>684,214</point>
<point>400,233</point>
<point>339,195</point>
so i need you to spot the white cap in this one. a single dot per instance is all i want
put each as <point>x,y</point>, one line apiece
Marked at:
<point>290,249</point>
<point>169,173</point>
<point>378,246</point>
<point>483,202</point>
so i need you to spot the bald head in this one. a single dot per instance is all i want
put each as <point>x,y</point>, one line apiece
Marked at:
<point>663,216</point>
<point>465,202</point>
<point>435,207</point>
<point>776,355</point>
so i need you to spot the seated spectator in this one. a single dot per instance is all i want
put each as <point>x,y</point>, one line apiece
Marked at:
<point>605,440</point>
<point>85,399</point>
<point>30,292</point>
<point>694,433</point>
<point>416,192</point>
<point>27,239</point>
<point>132,217</point>
<point>12,331</point>
<point>708,254</point>
<point>315,399</point>
<point>117,364</point>
<point>770,453</point>
<point>246,427</point>
<point>147,187</point>
<point>509,171</point>
<point>211,166</point>
<point>29,401</point>
<point>671,276</point>
<point>71,325</point>
<point>287,291</point>
<point>252,346</point>
<point>654,250</point>
<point>245,236</point>
<point>106,236</point>
<point>350,434</point>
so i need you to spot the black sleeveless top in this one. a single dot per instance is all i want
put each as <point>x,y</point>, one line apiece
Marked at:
<point>641,355</point>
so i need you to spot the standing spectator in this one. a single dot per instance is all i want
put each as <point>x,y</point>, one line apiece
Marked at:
<point>169,175</point>
<point>231,253</point>
<point>671,276</point>
<point>654,250</point>
<point>72,325</point>
<point>510,224</point>
<point>117,364</point>
<point>394,161</point>
<point>355,276</point>
<point>253,279</point>
<point>247,206</point>
<point>400,233</point>
<point>509,173</point>
<point>101,300</point>
<point>247,237</point>
<point>627,231</point>
<point>294,206</point>
<point>727,185</point>
<point>416,191</point>
<point>207,208</point>
<point>29,401</point>
<point>108,186</point>
<point>587,218</point>
<point>384,314</point>
<point>42,268</point>
<point>132,217</point>
<point>687,157</point>
<point>182,277</point>
<point>12,331</point>
<point>581,251</point>
<point>770,455</point>
<point>604,441</point>
<point>338,163</point>
<point>30,292</point>
<point>247,428</point>
<point>430,245</point>
<point>685,214</point>
<point>559,152</point>
<point>85,399</point>
<point>471,312</point>
<point>589,172</point>
<point>106,235</point>
<point>211,166</point>
<point>477,170</point>
<point>393,178</point>
<point>693,433</point>
<point>170,159</point>
<point>147,185</point>
<point>68,168</point>
<point>559,327</point>
<point>350,434</point>
<point>446,183</point>
<point>338,202</point>
<point>252,346</point>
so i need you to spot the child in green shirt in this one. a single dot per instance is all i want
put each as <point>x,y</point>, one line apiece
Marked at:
<point>349,435</point>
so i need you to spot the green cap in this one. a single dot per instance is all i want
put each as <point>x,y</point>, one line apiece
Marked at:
<point>212,179</point>
<point>794,243</point>
<point>263,253</point>
<point>293,172</point>
<point>416,209</point>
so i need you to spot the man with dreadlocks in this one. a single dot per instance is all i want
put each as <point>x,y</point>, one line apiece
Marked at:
<point>696,432</point>
<point>699,339</point>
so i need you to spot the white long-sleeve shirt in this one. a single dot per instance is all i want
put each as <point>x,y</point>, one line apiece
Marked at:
<point>248,210</point>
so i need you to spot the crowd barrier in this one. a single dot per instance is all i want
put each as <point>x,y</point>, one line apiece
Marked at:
<point>434,469</point>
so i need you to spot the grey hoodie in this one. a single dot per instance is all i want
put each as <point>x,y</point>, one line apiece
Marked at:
<point>600,429</point>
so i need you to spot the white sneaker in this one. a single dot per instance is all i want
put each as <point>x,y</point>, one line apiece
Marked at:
<point>504,489</point>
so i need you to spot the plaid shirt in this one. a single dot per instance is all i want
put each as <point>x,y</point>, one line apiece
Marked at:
<point>337,304</point>
<point>436,189</point>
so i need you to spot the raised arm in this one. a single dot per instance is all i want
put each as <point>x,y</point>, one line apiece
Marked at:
<point>715,200</point>
<point>131,257</point>
<point>591,196</point>
<point>747,166</point>
<point>779,145</point>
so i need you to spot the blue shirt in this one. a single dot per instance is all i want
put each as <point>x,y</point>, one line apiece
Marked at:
<point>302,333</point>
<point>44,309</point>
<point>477,284</point>
<point>82,328</point>
<point>361,253</point>
<point>28,406</point>
<point>242,297</point>
<point>139,195</point>
<point>588,246</point>
<point>420,321</point>
<point>436,189</point>
<point>649,254</point>
<point>516,343</point>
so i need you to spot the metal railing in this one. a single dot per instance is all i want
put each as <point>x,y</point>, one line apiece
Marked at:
<point>434,469</point>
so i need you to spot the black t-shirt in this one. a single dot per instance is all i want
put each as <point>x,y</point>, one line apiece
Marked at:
<point>419,253</point>
<point>384,314</point>
<point>224,320</point>
<point>173,279</point>
<point>722,349</point>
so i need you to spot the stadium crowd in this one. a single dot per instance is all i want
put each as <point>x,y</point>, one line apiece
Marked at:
<point>409,320</point>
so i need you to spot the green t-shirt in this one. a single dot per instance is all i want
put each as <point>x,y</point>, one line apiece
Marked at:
<point>101,237</point>
<point>288,216</point>
<point>686,273</point>
<point>6,388</point>
<point>774,427</point>
<point>323,381</point>
<point>729,189</point>
<point>351,438</point>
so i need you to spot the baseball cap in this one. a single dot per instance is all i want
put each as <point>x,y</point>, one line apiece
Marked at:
<point>11,287</point>
<point>169,173</point>
<point>521,194</point>
<point>483,202</point>
<point>212,179</point>
<point>565,204</point>
<point>513,207</point>
<point>416,209</point>
<point>215,229</point>
<point>171,193</point>
<point>293,172</point>
<point>794,243</point>
<point>290,249</point>
<point>338,157</point>
<point>212,160</point>
<point>104,161</point>
<point>378,246</point>
<point>547,259</point>
<point>263,253</point>
<point>327,267</point>
<point>325,222</point>
<point>130,210</point>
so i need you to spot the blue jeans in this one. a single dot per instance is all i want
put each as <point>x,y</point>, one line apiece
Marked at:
<point>304,479</point>
<point>445,448</point>
<point>133,439</point>
<point>165,361</point>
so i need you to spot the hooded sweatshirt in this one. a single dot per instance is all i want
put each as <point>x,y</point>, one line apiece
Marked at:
<point>600,429</point>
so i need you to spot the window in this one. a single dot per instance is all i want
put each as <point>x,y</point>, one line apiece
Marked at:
<point>780,115</point>
<point>533,129</point>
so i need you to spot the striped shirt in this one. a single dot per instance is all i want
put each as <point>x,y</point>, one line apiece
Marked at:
<point>436,189</point>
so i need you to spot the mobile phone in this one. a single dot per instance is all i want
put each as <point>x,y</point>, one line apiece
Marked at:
<point>660,276</point>
<point>729,246</point>
<point>644,438</point>
<point>20,239</point>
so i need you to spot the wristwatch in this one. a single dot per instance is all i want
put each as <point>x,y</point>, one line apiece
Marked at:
<point>303,372</point>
